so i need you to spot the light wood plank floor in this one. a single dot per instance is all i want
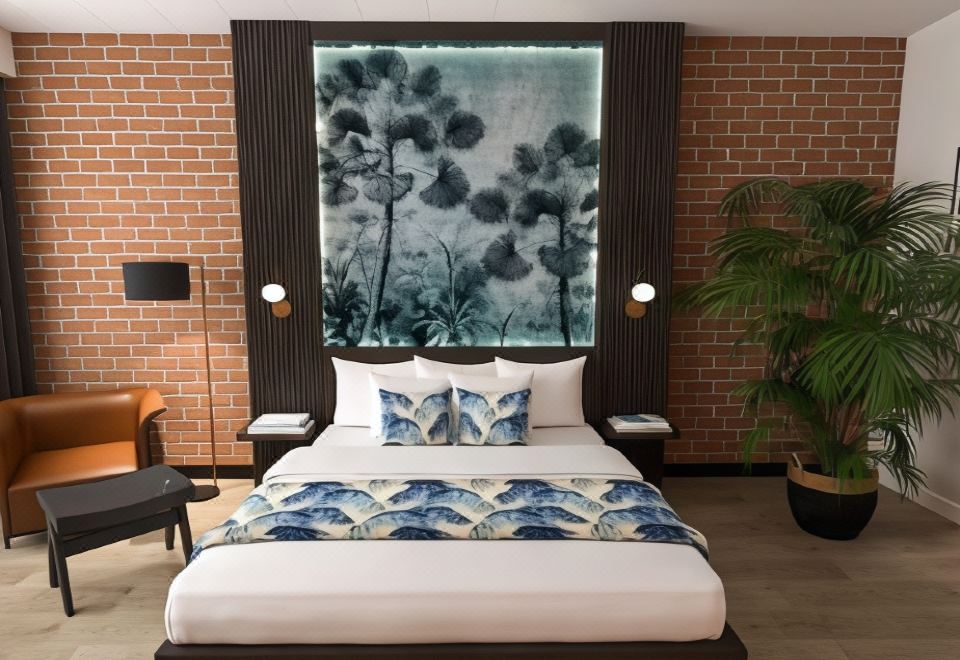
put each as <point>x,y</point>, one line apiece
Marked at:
<point>893,593</point>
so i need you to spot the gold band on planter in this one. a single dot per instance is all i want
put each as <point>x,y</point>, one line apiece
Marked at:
<point>825,484</point>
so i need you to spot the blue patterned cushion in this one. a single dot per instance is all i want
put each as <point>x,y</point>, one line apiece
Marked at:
<point>493,418</point>
<point>415,418</point>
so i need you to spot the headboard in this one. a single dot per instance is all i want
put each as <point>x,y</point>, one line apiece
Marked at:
<point>290,368</point>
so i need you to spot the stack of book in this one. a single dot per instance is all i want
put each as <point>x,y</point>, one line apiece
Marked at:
<point>280,423</point>
<point>639,423</point>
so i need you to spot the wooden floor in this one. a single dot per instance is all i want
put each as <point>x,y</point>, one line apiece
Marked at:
<point>893,593</point>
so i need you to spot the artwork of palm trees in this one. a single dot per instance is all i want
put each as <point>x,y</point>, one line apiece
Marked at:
<point>458,190</point>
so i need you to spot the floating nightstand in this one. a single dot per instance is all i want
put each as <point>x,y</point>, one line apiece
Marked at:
<point>268,448</point>
<point>644,449</point>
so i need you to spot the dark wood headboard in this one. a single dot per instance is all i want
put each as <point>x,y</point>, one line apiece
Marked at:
<point>290,369</point>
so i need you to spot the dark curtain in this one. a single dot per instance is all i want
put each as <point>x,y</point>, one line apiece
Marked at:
<point>17,376</point>
<point>276,137</point>
<point>636,229</point>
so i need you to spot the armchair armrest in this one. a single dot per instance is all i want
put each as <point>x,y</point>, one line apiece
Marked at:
<point>150,406</point>
<point>12,450</point>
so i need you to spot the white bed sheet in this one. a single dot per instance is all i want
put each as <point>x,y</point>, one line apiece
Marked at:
<point>398,592</point>
<point>359,436</point>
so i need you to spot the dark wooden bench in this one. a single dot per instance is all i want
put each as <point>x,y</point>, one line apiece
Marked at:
<point>89,516</point>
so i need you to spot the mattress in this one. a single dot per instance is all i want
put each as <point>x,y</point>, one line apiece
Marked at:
<point>405,592</point>
<point>359,436</point>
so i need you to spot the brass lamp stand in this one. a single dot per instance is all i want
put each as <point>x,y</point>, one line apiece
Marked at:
<point>161,281</point>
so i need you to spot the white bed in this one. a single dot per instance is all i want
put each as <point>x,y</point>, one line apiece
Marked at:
<point>397,592</point>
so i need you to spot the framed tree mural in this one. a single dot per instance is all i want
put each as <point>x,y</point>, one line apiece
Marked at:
<point>458,188</point>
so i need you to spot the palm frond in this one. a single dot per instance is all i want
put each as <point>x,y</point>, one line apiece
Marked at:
<point>759,243</point>
<point>757,435</point>
<point>857,306</point>
<point>871,272</point>
<point>747,198</point>
<point>746,283</point>
<point>911,220</point>
<point>899,452</point>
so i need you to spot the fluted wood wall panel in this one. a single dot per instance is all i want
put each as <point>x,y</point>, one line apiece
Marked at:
<point>273,70</point>
<point>289,367</point>
<point>636,231</point>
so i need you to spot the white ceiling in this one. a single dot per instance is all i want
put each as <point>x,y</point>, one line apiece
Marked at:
<point>889,18</point>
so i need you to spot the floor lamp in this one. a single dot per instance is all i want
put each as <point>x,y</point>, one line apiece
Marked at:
<point>162,281</point>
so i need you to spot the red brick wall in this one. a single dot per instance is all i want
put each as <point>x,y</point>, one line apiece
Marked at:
<point>799,108</point>
<point>124,148</point>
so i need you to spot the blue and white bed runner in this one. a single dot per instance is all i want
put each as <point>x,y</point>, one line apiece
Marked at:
<point>604,509</point>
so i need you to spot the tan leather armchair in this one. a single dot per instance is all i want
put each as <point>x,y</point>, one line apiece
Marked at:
<point>61,439</point>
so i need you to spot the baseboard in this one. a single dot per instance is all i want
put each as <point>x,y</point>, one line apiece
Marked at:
<point>223,471</point>
<point>939,504</point>
<point>927,499</point>
<point>724,470</point>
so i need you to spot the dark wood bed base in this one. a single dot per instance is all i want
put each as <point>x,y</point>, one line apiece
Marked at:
<point>728,647</point>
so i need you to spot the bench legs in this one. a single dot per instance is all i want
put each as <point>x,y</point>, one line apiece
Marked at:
<point>57,552</point>
<point>52,563</point>
<point>186,539</point>
<point>58,561</point>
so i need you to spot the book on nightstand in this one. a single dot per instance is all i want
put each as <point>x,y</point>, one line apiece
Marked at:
<point>294,423</point>
<point>641,423</point>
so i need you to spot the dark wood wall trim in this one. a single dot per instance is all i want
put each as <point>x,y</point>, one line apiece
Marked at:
<point>636,228</point>
<point>289,367</point>
<point>724,470</point>
<point>406,31</point>
<point>279,210</point>
<point>223,471</point>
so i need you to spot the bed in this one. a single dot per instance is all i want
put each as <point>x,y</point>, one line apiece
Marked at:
<point>412,598</point>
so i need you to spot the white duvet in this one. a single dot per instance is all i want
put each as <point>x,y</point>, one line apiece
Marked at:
<point>397,592</point>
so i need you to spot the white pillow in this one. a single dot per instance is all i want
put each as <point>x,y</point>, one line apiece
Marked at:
<point>433,369</point>
<point>353,388</point>
<point>557,398</point>
<point>520,381</point>
<point>400,385</point>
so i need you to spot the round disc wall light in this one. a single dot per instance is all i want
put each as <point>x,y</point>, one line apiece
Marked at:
<point>276,295</point>
<point>640,295</point>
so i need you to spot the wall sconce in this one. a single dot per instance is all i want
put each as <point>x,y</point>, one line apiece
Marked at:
<point>640,295</point>
<point>276,295</point>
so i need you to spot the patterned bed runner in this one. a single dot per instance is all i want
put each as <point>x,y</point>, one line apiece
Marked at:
<point>599,509</point>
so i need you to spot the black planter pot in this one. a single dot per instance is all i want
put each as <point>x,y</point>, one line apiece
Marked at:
<point>825,507</point>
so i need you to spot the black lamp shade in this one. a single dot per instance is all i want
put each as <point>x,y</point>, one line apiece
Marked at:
<point>156,280</point>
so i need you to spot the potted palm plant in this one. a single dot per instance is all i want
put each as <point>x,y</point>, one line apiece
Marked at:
<point>858,309</point>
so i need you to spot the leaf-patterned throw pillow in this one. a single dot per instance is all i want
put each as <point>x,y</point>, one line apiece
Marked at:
<point>493,418</point>
<point>415,418</point>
